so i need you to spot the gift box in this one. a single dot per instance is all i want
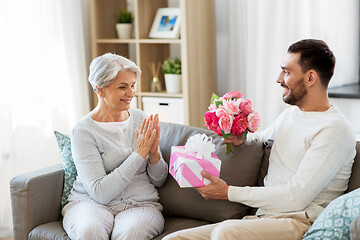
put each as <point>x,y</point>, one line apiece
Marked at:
<point>187,162</point>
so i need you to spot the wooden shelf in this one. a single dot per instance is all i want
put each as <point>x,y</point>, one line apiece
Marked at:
<point>149,41</point>
<point>116,40</point>
<point>168,41</point>
<point>160,94</point>
<point>195,48</point>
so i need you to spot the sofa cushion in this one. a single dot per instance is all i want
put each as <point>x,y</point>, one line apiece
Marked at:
<point>67,163</point>
<point>354,181</point>
<point>49,231</point>
<point>173,224</point>
<point>55,230</point>
<point>334,222</point>
<point>240,168</point>
<point>265,162</point>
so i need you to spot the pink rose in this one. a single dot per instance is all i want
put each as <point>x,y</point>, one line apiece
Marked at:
<point>212,107</point>
<point>221,111</point>
<point>254,121</point>
<point>232,106</point>
<point>226,122</point>
<point>240,124</point>
<point>212,122</point>
<point>233,95</point>
<point>246,107</point>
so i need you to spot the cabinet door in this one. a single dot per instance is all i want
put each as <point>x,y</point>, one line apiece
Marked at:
<point>169,109</point>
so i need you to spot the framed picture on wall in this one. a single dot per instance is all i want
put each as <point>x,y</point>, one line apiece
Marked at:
<point>166,23</point>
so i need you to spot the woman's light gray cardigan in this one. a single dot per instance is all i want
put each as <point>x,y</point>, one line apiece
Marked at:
<point>108,173</point>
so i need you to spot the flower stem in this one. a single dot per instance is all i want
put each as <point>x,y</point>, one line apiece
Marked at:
<point>230,147</point>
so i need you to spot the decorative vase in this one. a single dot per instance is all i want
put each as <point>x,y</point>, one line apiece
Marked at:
<point>124,30</point>
<point>156,85</point>
<point>173,83</point>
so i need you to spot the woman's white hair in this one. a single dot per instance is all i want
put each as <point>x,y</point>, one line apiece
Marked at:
<point>104,69</point>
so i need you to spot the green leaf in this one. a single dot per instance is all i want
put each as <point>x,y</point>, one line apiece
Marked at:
<point>213,97</point>
<point>171,66</point>
<point>244,135</point>
<point>218,103</point>
<point>124,16</point>
<point>225,135</point>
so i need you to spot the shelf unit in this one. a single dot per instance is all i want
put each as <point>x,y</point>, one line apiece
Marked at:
<point>195,47</point>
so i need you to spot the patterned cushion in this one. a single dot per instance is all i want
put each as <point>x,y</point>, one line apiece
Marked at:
<point>334,222</point>
<point>68,165</point>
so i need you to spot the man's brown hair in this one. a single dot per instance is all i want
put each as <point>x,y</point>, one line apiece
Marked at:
<point>315,54</point>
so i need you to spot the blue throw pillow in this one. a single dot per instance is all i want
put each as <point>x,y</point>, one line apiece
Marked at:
<point>68,165</point>
<point>334,222</point>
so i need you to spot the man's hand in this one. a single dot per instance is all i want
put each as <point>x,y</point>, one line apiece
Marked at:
<point>237,140</point>
<point>217,189</point>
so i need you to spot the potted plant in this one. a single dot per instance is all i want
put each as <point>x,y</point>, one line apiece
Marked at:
<point>124,24</point>
<point>172,72</point>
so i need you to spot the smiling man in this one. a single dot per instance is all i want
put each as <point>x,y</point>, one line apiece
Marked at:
<point>310,161</point>
<point>291,70</point>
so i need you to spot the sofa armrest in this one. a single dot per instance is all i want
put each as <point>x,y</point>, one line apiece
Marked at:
<point>355,228</point>
<point>35,199</point>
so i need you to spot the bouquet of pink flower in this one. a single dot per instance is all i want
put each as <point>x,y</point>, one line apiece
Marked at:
<point>231,114</point>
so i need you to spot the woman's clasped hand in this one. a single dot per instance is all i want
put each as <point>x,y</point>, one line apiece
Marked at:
<point>147,139</point>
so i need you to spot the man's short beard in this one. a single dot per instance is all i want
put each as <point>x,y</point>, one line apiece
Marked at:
<point>296,94</point>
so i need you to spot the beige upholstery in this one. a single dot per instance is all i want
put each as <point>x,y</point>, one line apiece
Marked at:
<point>36,195</point>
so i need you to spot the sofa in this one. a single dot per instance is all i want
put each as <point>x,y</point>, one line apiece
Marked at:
<point>35,196</point>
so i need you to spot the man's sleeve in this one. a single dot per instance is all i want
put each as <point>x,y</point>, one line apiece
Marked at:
<point>326,155</point>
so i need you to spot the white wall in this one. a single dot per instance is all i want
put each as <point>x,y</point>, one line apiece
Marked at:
<point>221,26</point>
<point>332,25</point>
<point>329,27</point>
<point>351,110</point>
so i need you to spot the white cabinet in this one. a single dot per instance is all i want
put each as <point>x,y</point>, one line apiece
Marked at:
<point>133,103</point>
<point>169,109</point>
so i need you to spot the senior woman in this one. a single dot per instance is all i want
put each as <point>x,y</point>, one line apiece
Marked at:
<point>116,152</point>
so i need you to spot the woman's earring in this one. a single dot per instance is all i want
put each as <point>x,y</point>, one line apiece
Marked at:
<point>100,92</point>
